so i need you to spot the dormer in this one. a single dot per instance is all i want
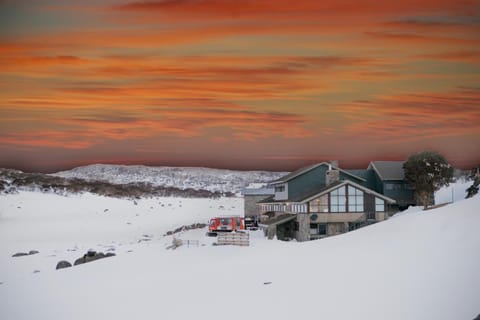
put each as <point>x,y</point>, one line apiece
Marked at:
<point>281,191</point>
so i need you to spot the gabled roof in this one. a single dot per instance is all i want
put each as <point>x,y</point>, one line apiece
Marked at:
<point>388,170</point>
<point>306,169</point>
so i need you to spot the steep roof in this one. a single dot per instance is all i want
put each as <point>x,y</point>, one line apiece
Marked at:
<point>388,170</point>
<point>306,169</point>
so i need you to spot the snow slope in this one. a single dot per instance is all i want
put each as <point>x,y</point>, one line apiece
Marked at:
<point>63,227</point>
<point>419,265</point>
<point>456,191</point>
<point>179,177</point>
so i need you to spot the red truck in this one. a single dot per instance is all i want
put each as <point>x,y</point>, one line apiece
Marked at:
<point>225,224</point>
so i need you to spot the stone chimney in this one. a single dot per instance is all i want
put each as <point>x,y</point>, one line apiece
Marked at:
<point>332,175</point>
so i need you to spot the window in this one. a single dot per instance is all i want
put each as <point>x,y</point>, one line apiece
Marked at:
<point>225,221</point>
<point>319,204</point>
<point>322,229</point>
<point>379,205</point>
<point>313,228</point>
<point>338,200</point>
<point>318,229</point>
<point>280,189</point>
<point>355,200</point>
<point>393,186</point>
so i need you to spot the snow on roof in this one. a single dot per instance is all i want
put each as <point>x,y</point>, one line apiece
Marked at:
<point>388,170</point>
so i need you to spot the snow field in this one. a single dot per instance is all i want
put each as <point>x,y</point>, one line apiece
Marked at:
<point>418,265</point>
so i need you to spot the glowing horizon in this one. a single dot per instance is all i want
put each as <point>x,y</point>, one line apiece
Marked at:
<point>242,85</point>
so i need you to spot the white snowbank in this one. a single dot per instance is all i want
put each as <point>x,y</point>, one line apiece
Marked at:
<point>420,265</point>
<point>456,191</point>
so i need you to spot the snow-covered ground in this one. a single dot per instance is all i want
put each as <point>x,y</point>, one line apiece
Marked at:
<point>180,177</point>
<point>419,265</point>
<point>456,191</point>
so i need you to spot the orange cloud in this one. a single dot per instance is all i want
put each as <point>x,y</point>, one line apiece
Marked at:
<point>422,39</point>
<point>89,128</point>
<point>415,116</point>
<point>459,56</point>
<point>231,8</point>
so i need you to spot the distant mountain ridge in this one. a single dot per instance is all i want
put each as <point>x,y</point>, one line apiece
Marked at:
<point>213,180</point>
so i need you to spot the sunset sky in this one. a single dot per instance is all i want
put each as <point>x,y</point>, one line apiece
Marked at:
<point>237,84</point>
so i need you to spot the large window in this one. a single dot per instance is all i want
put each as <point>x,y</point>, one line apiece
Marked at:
<point>393,186</point>
<point>338,200</point>
<point>355,199</point>
<point>319,204</point>
<point>280,189</point>
<point>379,205</point>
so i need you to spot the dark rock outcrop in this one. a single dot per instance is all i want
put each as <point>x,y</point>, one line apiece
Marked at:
<point>92,256</point>
<point>63,264</point>
<point>20,254</point>
<point>185,228</point>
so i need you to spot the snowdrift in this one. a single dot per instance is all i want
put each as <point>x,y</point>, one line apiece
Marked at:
<point>419,265</point>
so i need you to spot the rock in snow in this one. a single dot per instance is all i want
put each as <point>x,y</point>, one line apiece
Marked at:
<point>63,264</point>
<point>92,256</point>
<point>21,254</point>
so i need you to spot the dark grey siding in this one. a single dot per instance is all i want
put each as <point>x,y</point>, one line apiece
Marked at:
<point>304,183</point>
<point>399,191</point>
<point>311,180</point>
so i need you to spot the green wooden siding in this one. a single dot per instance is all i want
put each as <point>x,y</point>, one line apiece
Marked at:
<point>304,183</point>
<point>399,191</point>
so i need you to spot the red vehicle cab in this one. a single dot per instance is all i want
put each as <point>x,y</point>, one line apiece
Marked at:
<point>225,224</point>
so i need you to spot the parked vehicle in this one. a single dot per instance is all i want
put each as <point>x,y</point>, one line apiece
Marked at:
<point>251,223</point>
<point>225,224</point>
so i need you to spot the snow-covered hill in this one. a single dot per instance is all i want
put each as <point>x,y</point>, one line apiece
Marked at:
<point>179,177</point>
<point>456,191</point>
<point>418,265</point>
